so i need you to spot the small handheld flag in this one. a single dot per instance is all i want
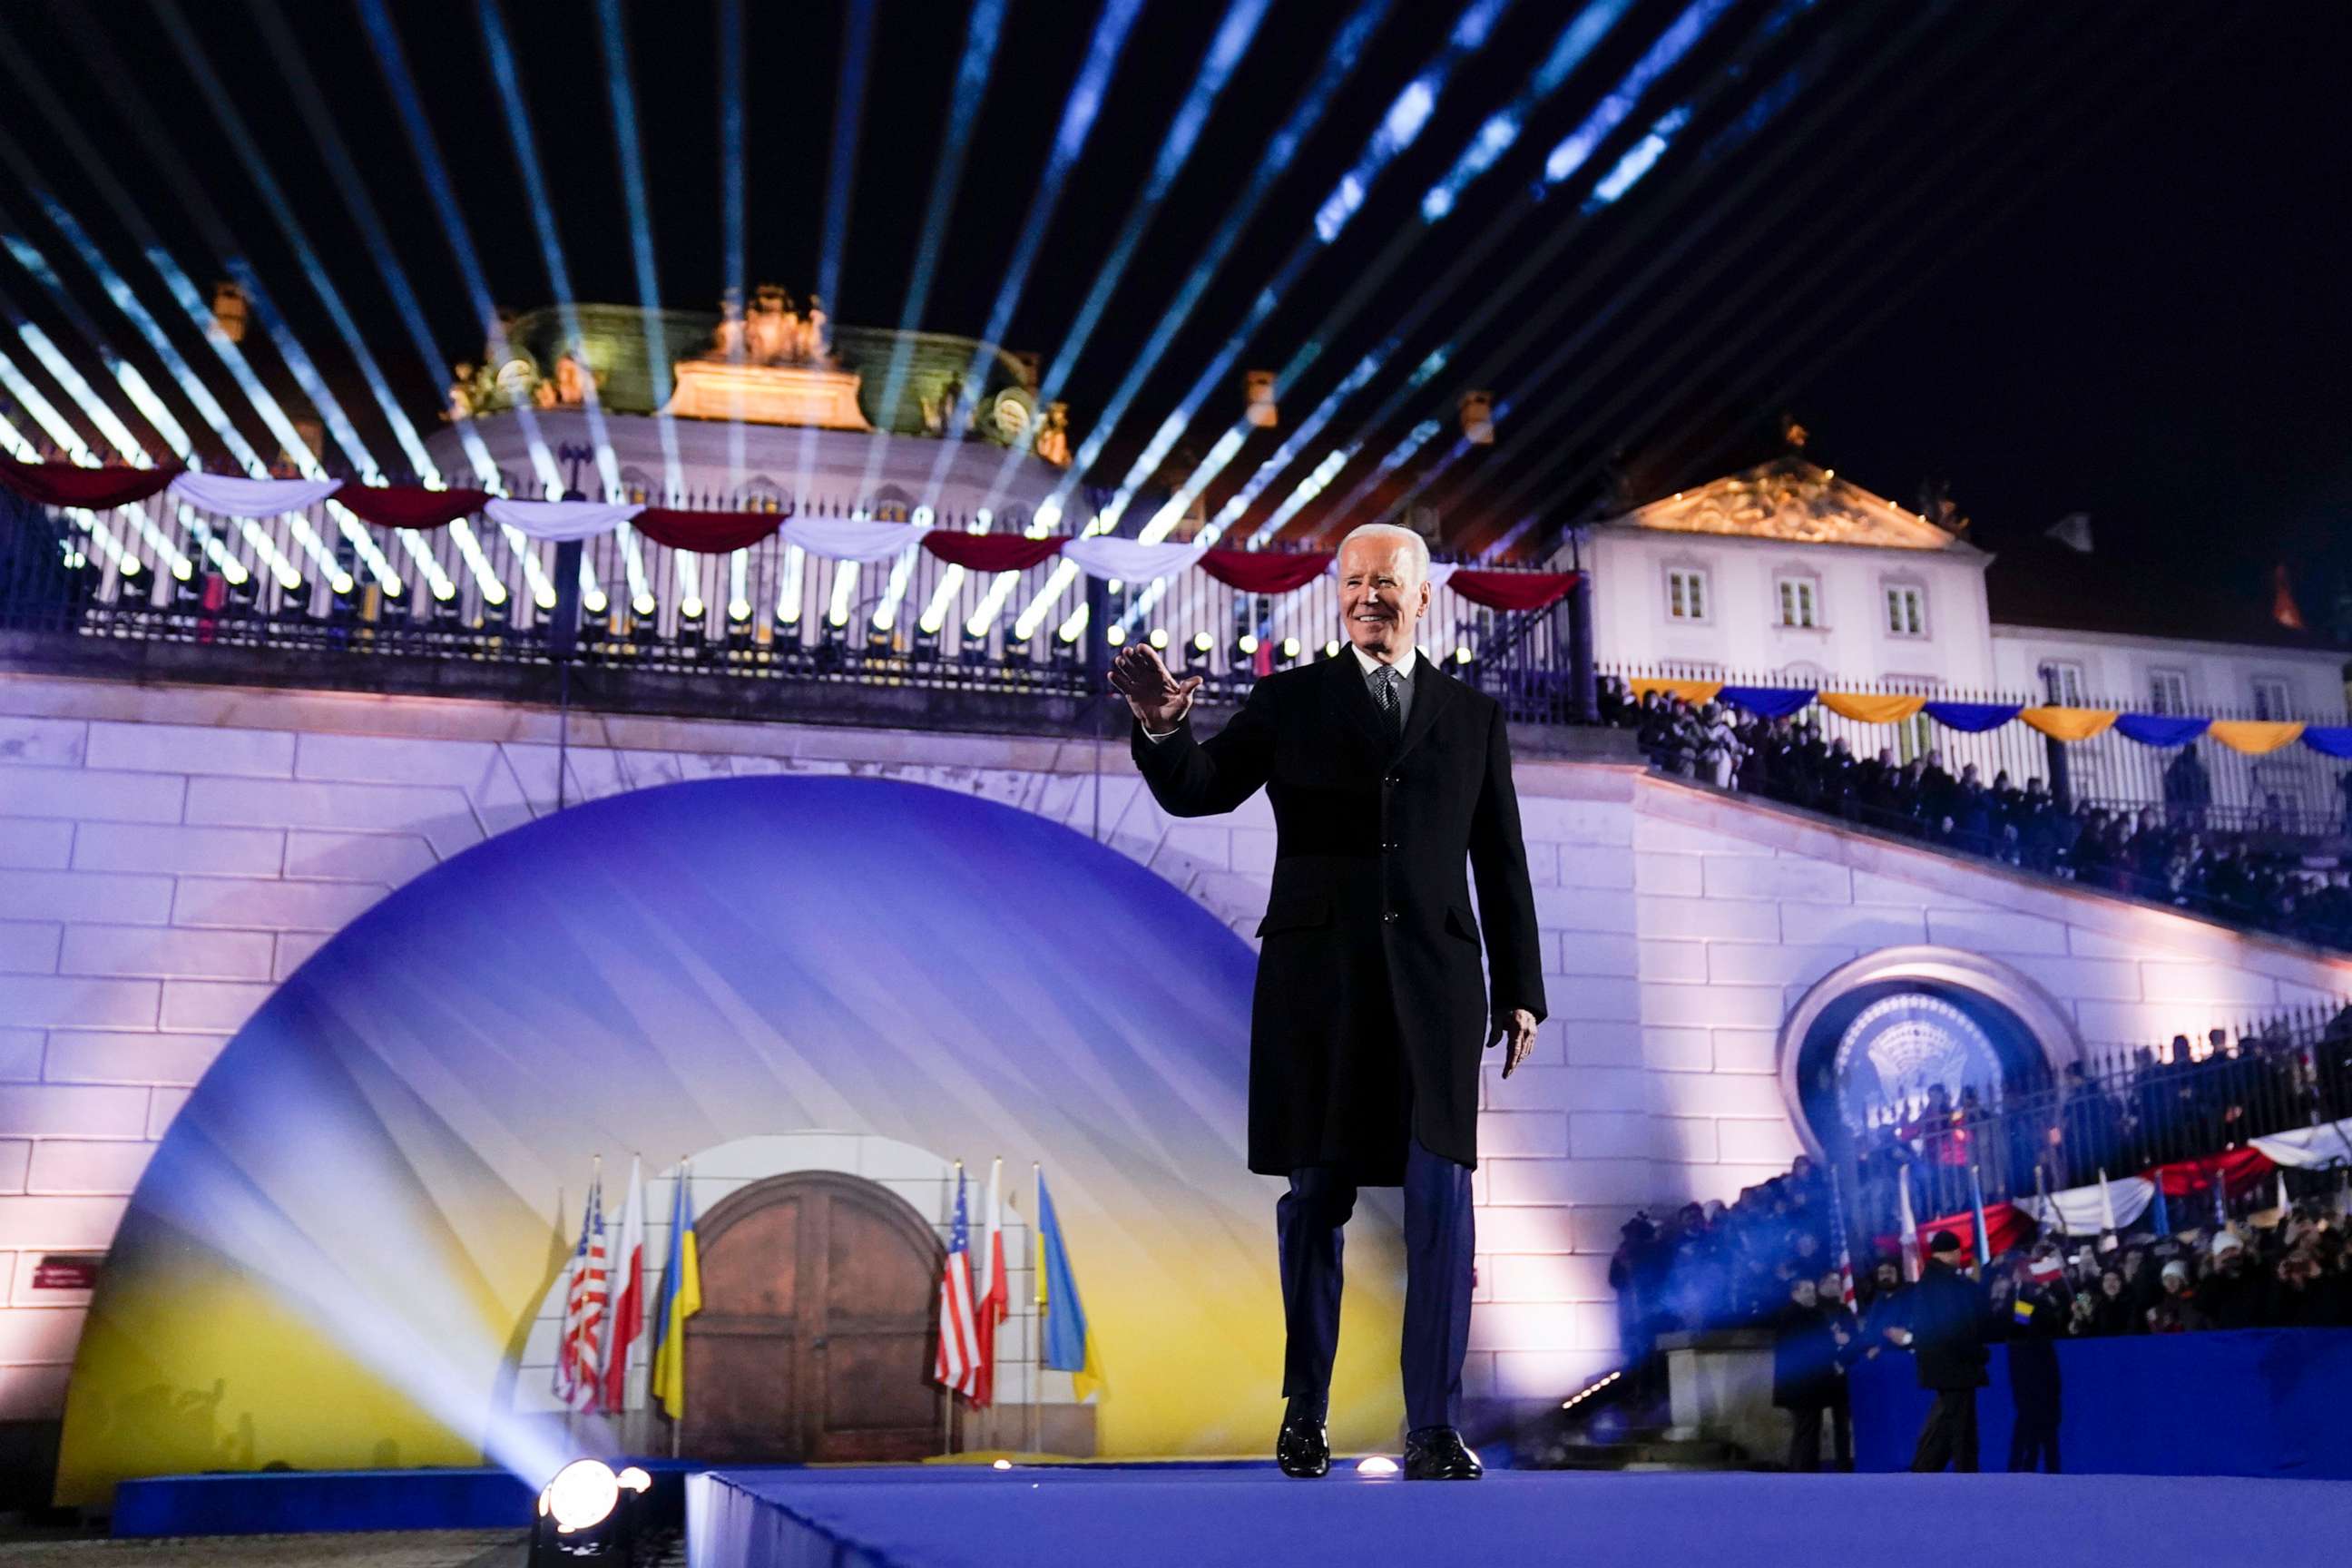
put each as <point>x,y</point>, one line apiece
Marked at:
<point>1906,1226</point>
<point>1984,1237</point>
<point>1069,1341</point>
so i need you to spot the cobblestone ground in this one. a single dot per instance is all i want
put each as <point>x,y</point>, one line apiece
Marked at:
<point>390,1549</point>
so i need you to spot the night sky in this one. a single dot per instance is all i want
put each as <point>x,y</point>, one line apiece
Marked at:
<point>2077,257</point>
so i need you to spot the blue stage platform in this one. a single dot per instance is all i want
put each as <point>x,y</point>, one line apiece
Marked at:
<point>295,1502</point>
<point>1184,1516</point>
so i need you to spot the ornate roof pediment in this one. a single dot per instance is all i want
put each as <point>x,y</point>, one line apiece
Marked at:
<point>1791,501</point>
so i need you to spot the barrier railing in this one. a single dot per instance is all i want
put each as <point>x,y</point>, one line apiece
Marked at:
<point>321,581</point>
<point>2292,791</point>
<point>2125,1111</point>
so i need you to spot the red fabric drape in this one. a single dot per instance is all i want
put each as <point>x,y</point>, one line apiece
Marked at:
<point>410,506</point>
<point>706,532</point>
<point>2239,1169</point>
<point>1512,590</point>
<point>1264,571</point>
<point>990,552</point>
<point>2009,1226</point>
<point>93,490</point>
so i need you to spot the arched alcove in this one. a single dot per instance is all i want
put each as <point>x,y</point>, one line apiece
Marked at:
<point>1889,1024</point>
<point>342,1243</point>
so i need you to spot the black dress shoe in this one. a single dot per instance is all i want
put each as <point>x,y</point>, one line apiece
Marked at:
<point>1438,1454</point>
<point>1303,1447</point>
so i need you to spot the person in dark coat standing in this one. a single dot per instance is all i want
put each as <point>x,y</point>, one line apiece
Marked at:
<point>1810,1342</point>
<point>2037,1315</point>
<point>1944,1325</point>
<point>1388,780</point>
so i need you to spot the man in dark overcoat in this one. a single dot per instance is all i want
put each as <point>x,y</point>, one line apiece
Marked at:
<point>1944,1321</point>
<point>1390,784</point>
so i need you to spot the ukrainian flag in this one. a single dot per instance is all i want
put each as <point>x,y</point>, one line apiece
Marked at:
<point>680,1298</point>
<point>1069,1343</point>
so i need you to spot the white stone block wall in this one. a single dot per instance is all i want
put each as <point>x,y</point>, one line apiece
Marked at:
<point>168,854</point>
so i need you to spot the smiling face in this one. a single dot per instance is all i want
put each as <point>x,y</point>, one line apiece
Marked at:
<point>1383,596</point>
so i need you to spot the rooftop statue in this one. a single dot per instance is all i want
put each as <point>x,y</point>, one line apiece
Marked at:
<point>771,332</point>
<point>769,364</point>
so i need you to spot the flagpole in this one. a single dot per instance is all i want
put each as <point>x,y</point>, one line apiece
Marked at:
<point>563,1322</point>
<point>947,1415</point>
<point>1037,1312</point>
<point>684,1172</point>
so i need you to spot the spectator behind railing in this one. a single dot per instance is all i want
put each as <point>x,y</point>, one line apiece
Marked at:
<point>2178,856</point>
<point>2123,1114</point>
<point>1723,1267</point>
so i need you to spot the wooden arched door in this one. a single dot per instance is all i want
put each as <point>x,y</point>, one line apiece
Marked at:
<point>815,1340</point>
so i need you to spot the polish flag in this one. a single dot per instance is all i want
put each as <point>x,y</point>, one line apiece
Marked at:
<point>628,1287</point>
<point>993,1289</point>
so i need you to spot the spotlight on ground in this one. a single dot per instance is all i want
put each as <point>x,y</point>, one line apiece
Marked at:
<point>1376,1465</point>
<point>588,1514</point>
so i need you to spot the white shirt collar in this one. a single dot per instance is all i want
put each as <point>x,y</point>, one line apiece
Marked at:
<point>1403,667</point>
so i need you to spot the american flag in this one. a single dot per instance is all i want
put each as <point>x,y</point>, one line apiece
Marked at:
<point>959,1363</point>
<point>1844,1255</point>
<point>577,1353</point>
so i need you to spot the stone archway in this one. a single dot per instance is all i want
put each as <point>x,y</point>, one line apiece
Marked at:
<point>814,1342</point>
<point>2004,1002</point>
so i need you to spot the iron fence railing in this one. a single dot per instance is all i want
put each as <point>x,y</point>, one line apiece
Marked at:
<point>323,581</point>
<point>2292,790</point>
<point>2124,1111</point>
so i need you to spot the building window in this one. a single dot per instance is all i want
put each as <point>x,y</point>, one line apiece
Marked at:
<point>1685,594</point>
<point>2271,698</point>
<point>1799,597</point>
<point>1906,610</point>
<point>2062,683</point>
<point>2168,691</point>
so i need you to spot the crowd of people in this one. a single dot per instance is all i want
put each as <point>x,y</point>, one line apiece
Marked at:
<point>1771,1260</point>
<point>2140,1108</point>
<point>2172,853</point>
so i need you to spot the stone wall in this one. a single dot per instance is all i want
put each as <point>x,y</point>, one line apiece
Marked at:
<point>167,854</point>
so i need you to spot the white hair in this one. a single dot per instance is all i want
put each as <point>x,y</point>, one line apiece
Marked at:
<point>1418,553</point>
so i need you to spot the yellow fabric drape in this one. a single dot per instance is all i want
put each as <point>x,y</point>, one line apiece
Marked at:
<point>2255,736</point>
<point>2069,723</point>
<point>1872,707</point>
<point>1688,691</point>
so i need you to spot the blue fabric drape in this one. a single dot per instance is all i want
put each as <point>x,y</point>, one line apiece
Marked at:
<point>1973,718</point>
<point>2160,729</point>
<point>1769,701</point>
<point>2329,740</point>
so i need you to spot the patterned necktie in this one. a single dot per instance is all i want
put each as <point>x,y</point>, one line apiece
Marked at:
<point>1386,686</point>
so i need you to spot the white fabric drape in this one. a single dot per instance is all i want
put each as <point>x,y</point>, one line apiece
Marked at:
<point>226,495</point>
<point>1128,561</point>
<point>852,539</point>
<point>2310,1148</point>
<point>2083,1210</point>
<point>1439,570</point>
<point>560,521</point>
